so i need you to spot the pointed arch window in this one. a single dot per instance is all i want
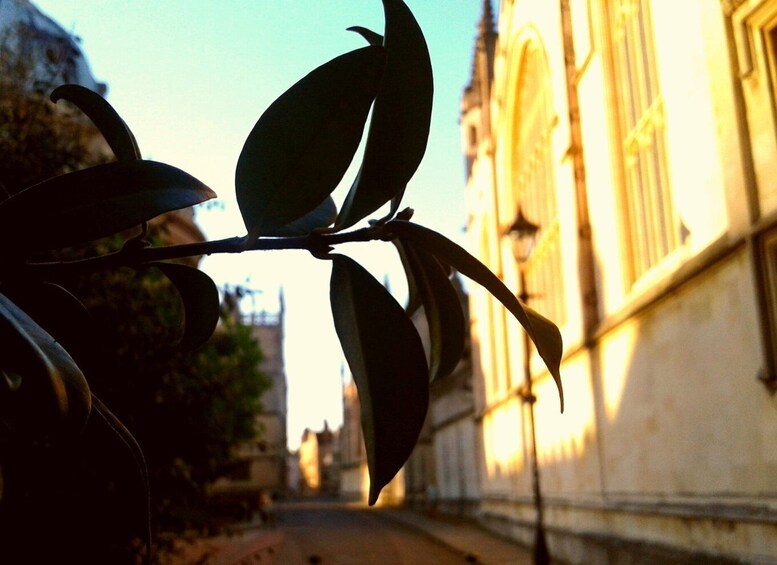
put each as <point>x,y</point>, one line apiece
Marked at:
<point>534,182</point>
<point>647,202</point>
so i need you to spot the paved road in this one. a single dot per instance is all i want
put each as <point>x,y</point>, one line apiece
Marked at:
<point>334,534</point>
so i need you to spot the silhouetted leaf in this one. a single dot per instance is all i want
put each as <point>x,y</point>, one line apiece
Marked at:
<point>64,317</point>
<point>321,217</point>
<point>544,333</point>
<point>388,364</point>
<point>200,299</point>
<point>104,416</point>
<point>443,312</point>
<point>114,129</point>
<point>302,145</point>
<point>370,36</point>
<point>413,294</point>
<point>42,391</point>
<point>95,202</point>
<point>399,127</point>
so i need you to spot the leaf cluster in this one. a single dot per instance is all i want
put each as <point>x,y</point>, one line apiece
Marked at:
<point>293,159</point>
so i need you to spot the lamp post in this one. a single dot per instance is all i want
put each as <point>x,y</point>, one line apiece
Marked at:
<point>523,235</point>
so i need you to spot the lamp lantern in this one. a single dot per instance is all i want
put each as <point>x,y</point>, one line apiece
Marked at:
<point>523,235</point>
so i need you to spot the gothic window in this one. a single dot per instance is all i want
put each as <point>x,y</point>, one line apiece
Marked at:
<point>534,183</point>
<point>647,202</point>
<point>770,40</point>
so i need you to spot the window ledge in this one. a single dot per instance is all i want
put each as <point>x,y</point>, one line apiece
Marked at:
<point>717,251</point>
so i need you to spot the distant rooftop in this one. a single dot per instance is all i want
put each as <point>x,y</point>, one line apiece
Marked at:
<point>54,54</point>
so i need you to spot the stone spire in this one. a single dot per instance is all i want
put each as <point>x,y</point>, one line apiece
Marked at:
<point>483,56</point>
<point>483,67</point>
<point>475,110</point>
<point>486,25</point>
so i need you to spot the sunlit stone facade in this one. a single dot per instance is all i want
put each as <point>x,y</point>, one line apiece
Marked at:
<point>641,136</point>
<point>318,462</point>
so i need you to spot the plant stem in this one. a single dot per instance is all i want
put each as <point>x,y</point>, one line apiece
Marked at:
<point>318,243</point>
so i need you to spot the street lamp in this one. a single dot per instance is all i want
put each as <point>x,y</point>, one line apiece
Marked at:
<point>523,235</point>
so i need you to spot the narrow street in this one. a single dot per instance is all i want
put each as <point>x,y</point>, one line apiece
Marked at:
<point>336,534</point>
<point>331,532</point>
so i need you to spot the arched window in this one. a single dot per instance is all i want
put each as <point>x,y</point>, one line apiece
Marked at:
<point>649,214</point>
<point>534,182</point>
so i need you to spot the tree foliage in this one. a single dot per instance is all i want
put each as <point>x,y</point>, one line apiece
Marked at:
<point>188,410</point>
<point>188,396</point>
<point>293,159</point>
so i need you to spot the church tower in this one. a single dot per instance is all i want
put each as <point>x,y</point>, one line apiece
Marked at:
<point>475,111</point>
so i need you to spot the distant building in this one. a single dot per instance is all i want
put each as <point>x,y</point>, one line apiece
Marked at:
<point>354,478</point>
<point>640,136</point>
<point>269,458</point>
<point>36,56</point>
<point>453,430</point>
<point>318,462</point>
<point>442,472</point>
<point>52,55</point>
<point>262,465</point>
<point>419,473</point>
<point>293,476</point>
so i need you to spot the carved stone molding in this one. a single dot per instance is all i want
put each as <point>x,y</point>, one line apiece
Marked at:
<point>730,6</point>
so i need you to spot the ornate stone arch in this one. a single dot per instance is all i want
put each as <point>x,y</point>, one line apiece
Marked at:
<point>527,164</point>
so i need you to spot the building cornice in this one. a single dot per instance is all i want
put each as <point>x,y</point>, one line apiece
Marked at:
<point>731,6</point>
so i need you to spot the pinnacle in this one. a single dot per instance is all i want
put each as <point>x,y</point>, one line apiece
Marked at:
<point>486,25</point>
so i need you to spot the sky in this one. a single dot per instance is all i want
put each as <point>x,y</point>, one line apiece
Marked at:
<point>191,77</point>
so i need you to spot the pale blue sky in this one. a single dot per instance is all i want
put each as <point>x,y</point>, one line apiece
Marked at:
<point>191,77</point>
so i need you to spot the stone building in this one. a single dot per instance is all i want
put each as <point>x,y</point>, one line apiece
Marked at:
<point>269,458</point>
<point>640,137</point>
<point>318,454</point>
<point>454,438</point>
<point>52,56</point>
<point>354,478</point>
<point>442,472</point>
<point>36,56</point>
<point>263,463</point>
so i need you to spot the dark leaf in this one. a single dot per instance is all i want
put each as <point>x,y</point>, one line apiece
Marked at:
<point>399,127</point>
<point>102,114</point>
<point>544,333</point>
<point>321,217</point>
<point>302,145</point>
<point>443,312</point>
<point>95,202</point>
<point>63,316</point>
<point>42,391</point>
<point>117,428</point>
<point>413,294</point>
<point>388,364</point>
<point>370,36</point>
<point>200,299</point>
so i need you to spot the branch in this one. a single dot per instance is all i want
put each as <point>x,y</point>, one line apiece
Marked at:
<point>136,252</point>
